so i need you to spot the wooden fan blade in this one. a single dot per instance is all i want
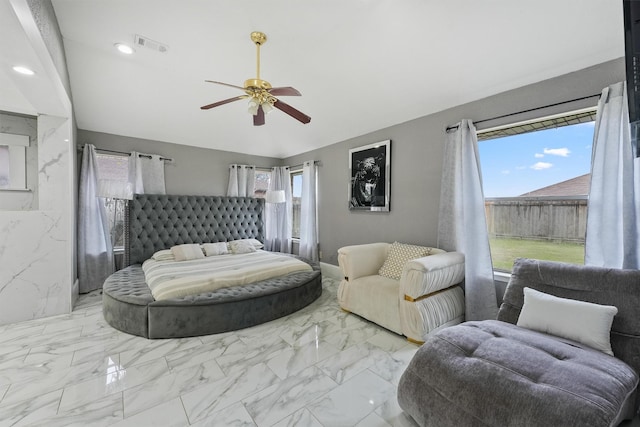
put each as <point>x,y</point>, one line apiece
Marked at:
<point>224,84</point>
<point>284,91</point>
<point>225,101</point>
<point>296,114</point>
<point>258,119</point>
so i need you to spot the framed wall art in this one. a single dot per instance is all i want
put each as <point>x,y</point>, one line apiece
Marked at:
<point>370,173</point>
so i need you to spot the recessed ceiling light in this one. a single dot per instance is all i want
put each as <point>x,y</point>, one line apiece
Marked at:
<point>23,70</point>
<point>124,48</point>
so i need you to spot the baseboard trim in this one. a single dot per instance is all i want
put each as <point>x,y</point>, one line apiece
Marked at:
<point>331,271</point>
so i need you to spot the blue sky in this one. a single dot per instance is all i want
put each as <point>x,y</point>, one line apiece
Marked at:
<point>517,164</point>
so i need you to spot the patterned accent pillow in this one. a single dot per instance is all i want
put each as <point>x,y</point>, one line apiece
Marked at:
<point>187,252</point>
<point>397,257</point>
<point>241,247</point>
<point>211,249</point>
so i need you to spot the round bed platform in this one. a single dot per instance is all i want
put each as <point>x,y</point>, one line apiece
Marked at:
<point>129,306</point>
<point>156,222</point>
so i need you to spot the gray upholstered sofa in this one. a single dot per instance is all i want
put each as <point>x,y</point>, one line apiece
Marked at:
<point>494,373</point>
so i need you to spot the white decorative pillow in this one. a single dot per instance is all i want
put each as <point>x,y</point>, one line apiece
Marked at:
<point>397,257</point>
<point>584,322</point>
<point>241,247</point>
<point>187,252</point>
<point>163,255</point>
<point>219,248</point>
<point>255,242</point>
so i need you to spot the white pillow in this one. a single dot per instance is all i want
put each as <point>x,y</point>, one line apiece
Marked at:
<point>187,252</point>
<point>241,247</point>
<point>254,242</point>
<point>163,255</point>
<point>584,322</point>
<point>219,248</point>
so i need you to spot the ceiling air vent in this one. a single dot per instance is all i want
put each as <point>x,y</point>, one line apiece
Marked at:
<point>142,41</point>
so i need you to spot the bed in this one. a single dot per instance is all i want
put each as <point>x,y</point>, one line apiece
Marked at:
<point>157,222</point>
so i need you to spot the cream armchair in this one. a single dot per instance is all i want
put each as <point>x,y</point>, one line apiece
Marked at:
<point>426,298</point>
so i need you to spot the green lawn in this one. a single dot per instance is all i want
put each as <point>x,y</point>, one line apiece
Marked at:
<point>505,251</point>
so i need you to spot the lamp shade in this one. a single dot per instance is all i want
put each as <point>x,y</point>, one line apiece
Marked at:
<point>275,196</point>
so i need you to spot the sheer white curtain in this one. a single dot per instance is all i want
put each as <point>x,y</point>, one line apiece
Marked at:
<point>309,212</point>
<point>146,173</point>
<point>278,216</point>
<point>241,180</point>
<point>612,238</point>
<point>95,252</point>
<point>462,225</point>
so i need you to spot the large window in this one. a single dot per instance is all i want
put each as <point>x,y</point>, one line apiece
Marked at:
<point>113,170</point>
<point>262,178</point>
<point>536,181</point>
<point>296,194</point>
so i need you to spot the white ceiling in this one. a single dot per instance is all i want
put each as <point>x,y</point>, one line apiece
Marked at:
<point>361,65</point>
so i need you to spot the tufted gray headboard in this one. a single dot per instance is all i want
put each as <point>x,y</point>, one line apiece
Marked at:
<point>154,222</point>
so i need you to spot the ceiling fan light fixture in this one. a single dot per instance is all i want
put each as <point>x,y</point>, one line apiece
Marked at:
<point>262,96</point>
<point>267,107</point>
<point>253,106</point>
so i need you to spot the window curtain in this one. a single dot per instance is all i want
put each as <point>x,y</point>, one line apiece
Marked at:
<point>95,252</point>
<point>309,212</point>
<point>146,173</point>
<point>612,238</point>
<point>242,179</point>
<point>278,216</point>
<point>462,225</point>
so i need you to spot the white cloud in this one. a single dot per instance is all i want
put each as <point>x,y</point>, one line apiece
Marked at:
<point>541,165</point>
<point>506,172</point>
<point>538,155</point>
<point>562,152</point>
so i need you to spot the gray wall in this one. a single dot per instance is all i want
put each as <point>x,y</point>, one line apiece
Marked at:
<point>416,163</point>
<point>195,171</point>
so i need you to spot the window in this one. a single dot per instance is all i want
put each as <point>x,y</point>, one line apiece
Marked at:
<point>296,195</point>
<point>536,182</point>
<point>262,178</point>
<point>114,171</point>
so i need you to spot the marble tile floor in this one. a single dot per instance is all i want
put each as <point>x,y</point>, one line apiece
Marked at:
<point>317,367</point>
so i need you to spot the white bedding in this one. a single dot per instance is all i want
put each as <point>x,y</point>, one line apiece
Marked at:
<point>173,279</point>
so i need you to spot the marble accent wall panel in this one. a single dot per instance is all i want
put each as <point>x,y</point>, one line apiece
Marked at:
<point>36,247</point>
<point>22,200</point>
<point>34,282</point>
<point>54,169</point>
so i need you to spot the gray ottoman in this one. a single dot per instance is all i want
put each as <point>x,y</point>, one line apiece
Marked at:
<point>493,373</point>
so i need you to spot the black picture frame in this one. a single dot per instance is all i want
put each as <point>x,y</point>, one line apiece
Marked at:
<point>370,177</point>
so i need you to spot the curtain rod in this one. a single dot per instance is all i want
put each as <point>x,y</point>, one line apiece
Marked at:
<point>315,162</point>
<point>148,156</point>
<point>449,128</point>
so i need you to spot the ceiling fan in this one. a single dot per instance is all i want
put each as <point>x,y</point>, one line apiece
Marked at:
<point>261,95</point>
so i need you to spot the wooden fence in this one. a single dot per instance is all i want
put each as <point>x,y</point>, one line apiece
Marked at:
<point>562,219</point>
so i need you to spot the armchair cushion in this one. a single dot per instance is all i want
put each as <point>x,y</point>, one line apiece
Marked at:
<point>397,257</point>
